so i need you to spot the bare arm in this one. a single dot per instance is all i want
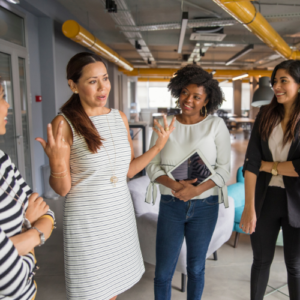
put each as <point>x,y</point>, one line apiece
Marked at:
<point>60,139</point>
<point>248,220</point>
<point>26,241</point>
<point>283,168</point>
<point>139,163</point>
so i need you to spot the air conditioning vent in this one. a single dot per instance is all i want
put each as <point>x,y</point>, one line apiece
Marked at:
<point>212,37</point>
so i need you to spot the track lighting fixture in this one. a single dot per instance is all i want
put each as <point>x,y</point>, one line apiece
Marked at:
<point>111,6</point>
<point>149,61</point>
<point>138,45</point>
<point>14,1</point>
<point>184,21</point>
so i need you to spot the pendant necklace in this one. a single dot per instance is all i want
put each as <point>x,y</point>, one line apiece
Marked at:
<point>113,179</point>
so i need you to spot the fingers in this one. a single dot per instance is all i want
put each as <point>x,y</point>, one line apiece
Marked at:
<point>51,140</point>
<point>33,197</point>
<point>42,141</point>
<point>165,121</point>
<point>59,133</point>
<point>172,123</point>
<point>162,130</point>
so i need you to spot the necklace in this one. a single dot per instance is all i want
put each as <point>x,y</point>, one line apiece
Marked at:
<point>25,221</point>
<point>113,179</point>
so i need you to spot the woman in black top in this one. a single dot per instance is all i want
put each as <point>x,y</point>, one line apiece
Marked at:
<point>272,184</point>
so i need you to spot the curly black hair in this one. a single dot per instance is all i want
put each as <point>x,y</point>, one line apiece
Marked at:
<point>194,74</point>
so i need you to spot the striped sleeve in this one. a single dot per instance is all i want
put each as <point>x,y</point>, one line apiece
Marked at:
<point>25,187</point>
<point>15,271</point>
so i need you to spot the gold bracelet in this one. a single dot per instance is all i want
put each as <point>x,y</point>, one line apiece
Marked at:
<point>58,176</point>
<point>59,172</point>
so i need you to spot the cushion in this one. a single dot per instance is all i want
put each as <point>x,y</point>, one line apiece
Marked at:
<point>240,175</point>
<point>237,192</point>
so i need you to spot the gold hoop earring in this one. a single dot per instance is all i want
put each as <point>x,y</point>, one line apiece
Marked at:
<point>177,104</point>
<point>299,91</point>
<point>205,111</point>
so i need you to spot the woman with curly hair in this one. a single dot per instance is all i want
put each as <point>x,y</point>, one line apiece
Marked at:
<point>189,211</point>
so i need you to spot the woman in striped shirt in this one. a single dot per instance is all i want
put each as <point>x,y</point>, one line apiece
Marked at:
<point>25,222</point>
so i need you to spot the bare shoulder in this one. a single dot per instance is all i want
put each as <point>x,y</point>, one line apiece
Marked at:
<point>123,117</point>
<point>67,131</point>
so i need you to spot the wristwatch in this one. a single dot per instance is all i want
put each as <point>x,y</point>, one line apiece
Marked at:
<point>274,169</point>
<point>42,236</point>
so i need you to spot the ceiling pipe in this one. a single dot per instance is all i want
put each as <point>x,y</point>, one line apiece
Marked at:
<point>160,72</point>
<point>157,79</point>
<point>80,35</point>
<point>246,13</point>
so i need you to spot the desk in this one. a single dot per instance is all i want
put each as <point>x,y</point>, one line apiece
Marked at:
<point>244,121</point>
<point>144,127</point>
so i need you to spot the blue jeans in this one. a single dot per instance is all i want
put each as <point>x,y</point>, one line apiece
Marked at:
<point>195,220</point>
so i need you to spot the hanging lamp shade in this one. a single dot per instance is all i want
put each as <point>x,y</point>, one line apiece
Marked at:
<point>264,94</point>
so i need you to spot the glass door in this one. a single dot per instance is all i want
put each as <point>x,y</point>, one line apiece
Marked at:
<point>16,141</point>
<point>8,142</point>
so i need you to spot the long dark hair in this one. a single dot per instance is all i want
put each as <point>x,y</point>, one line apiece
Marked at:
<point>273,114</point>
<point>73,109</point>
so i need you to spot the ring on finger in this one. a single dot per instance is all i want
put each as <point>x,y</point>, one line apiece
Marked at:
<point>63,139</point>
<point>167,129</point>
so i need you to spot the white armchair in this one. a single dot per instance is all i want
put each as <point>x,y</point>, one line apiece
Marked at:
<point>146,218</point>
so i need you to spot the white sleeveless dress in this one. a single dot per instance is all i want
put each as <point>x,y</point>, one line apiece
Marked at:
<point>101,246</point>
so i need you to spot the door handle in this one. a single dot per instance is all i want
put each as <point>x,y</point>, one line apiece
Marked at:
<point>19,136</point>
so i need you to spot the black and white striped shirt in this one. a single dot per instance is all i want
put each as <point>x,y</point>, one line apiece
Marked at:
<point>16,272</point>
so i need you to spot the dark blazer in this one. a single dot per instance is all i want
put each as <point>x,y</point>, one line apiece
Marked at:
<point>259,150</point>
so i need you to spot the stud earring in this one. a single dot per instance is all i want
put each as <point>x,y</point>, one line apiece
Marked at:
<point>75,92</point>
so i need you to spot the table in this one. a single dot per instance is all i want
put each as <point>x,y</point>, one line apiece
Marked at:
<point>144,127</point>
<point>244,121</point>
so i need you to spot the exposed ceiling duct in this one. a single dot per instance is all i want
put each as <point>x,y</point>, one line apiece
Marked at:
<point>246,13</point>
<point>170,72</point>
<point>124,19</point>
<point>80,35</point>
<point>209,22</point>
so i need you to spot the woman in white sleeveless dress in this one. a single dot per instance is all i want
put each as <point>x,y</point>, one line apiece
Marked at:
<point>91,154</point>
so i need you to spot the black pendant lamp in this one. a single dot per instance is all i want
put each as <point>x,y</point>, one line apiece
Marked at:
<point>264,94</point>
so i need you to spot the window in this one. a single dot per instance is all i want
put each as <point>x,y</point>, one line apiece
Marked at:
<point>11,27</point>
<point>246,96</point>
<point>227,89</point>
<point>154,94</point>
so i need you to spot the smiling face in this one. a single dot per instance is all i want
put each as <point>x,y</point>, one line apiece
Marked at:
<point>191,100</point>
<point>285,87</point>
<point>3,111</point>
<point>93,86</point>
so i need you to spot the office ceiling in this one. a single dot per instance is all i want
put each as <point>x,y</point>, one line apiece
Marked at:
<point>283,15</point>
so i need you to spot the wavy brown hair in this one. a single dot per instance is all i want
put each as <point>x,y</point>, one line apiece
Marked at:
<point>273,114</point>
<point>73,109</point>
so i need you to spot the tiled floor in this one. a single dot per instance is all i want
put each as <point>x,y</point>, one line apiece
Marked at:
<point>226,279</point>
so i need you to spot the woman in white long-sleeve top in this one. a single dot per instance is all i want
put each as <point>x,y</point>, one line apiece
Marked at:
<point>25,222</point>
<point>189,211</point>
